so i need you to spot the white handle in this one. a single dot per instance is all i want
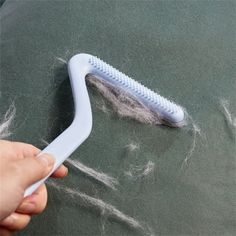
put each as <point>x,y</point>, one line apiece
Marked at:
<point>79,130</point>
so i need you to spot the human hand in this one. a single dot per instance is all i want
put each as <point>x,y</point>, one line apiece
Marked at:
<point>19,169</point>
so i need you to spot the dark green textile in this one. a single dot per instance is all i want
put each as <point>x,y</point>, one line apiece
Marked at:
<point>184,49</point>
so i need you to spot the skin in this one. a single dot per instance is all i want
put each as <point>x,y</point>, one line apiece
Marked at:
<point>19,168</point>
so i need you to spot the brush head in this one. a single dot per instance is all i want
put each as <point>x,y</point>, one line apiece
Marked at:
<point>167,110</point>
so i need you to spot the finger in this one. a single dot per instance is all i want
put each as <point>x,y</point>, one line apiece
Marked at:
<point>15,221</point>
<point>6,150</point>
<point>17,150</point>
<point>29,170</point>
<point>25,149</point>
<point>35,203</point>
<point>60,172</point>
<point>5,232</point>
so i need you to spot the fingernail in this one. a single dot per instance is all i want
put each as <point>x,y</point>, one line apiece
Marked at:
<point>46,159</point>
<point>27,207</point>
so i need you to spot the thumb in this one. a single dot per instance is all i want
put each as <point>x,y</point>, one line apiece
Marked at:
<point>33,169</point>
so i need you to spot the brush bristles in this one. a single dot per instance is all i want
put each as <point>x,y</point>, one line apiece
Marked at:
<point>126,105</point>
<point>167,109</point>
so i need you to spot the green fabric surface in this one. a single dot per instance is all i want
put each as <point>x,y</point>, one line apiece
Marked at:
<point>184,49</point>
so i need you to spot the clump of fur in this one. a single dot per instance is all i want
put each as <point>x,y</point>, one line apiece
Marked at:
<point>124,104</point>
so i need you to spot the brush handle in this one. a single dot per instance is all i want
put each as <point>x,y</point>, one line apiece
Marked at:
<point>67,142</point>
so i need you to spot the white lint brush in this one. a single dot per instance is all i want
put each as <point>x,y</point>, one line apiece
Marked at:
<point>81,66</point>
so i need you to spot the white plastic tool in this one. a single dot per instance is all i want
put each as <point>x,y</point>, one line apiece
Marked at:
<point>79,66</point>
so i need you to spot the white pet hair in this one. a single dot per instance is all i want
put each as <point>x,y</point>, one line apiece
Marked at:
<point>136,172</point>
<point>196,131</point>
<point>101,105</point>
<point>230,119</point>
<point>101,177</point>
<point>104,208</point>
<point>7,122</point>
<point>61,60</point>
<point>45,142</point>
<point>132,146</point>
